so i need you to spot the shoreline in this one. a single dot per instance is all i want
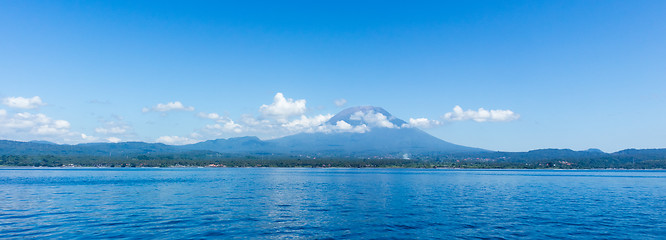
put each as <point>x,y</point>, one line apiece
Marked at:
<point>3,167</point>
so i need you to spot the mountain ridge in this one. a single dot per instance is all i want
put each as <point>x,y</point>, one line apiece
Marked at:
<point>10,147</point>
<point>383,136</point>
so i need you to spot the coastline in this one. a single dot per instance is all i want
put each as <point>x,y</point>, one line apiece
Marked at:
<point>9,167</point>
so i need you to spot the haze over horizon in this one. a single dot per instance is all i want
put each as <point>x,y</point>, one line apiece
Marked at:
<point>508,76</point>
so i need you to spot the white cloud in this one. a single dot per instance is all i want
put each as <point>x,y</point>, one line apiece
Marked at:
<point>175,140</point>
<point>216,117</point>
<point>87,138</point>
<point>226,127</point>
<point>50,130</point>
<point>282,107</point>
<point>27,126</point>
<point>280,125</point>
<point>166,107</point>
<point>259,126</point>
<point>306,124</point>
<point>32,124</point>
<point>61,124</point>
<point>373,119</point>
<point>275,120</point>
<point>223,124</point>
<point>422,123</point>
<point>113,139</point>
<point>23,103</point>
<point>342,126</point>
<point>340,102</point>
<point>285,116</point>
<point>481,115</point>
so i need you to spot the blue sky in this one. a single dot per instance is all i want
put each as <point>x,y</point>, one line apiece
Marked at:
<point>561,74</point>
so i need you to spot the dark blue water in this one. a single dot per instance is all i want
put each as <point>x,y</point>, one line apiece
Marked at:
<point>331,203</point>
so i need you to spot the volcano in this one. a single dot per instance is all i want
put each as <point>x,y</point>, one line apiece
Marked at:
<point>374,132</point>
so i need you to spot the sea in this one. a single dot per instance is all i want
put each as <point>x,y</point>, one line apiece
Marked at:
<point>330,203</point>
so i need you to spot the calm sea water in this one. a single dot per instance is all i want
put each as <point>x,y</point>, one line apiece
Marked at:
<point>331,203</point>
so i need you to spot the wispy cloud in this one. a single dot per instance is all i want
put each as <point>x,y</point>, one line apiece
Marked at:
<point>113,139</point>
<point>222,124</point>
<point>229,126</point>
<point>175,140</point>
<point>340,102</point>
<point>97,101</point>
<point>481,115</point>
<point>115,127</point>
<point>111,130</point>
<point>170,106</point>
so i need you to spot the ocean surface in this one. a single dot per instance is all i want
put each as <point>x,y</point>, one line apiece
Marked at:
<point>293,203</point>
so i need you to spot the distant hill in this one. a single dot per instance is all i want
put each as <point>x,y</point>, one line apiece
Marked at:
<point>8,147</point>
<point>233,145</point>
<point>367,132</point>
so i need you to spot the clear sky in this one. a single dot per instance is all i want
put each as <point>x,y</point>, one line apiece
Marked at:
<point>559,74</point>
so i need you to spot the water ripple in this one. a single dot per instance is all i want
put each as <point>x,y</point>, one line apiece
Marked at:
<point>331,204</point>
